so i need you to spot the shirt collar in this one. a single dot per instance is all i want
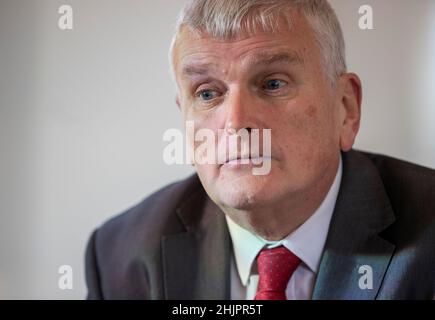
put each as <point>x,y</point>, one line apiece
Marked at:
<point>307,241</point>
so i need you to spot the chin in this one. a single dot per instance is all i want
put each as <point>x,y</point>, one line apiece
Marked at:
<point>244,193</point>
<point>236,187</point>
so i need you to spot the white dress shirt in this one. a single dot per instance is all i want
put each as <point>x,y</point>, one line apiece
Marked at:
<point>306,242</point>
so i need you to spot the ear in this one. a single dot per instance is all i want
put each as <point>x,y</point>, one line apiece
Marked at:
<point>177,101</point>
<point>350,109</point>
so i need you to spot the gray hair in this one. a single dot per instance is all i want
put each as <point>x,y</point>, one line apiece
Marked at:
<point>226,19</point>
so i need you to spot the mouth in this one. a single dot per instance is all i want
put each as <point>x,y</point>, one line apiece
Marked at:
<point>246,161</point>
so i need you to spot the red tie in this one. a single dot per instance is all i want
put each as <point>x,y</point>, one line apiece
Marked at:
<point>275,268</point>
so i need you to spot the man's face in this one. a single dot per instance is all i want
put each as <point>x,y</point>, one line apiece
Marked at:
<point>265,81</point>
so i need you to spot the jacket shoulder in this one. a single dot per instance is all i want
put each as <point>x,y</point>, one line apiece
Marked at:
<point>405,179</point>
<point>411,191</point>
<point>141,227</point>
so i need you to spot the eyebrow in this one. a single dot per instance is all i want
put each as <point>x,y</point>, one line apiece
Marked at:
<point>289,57</point>
<point>265,59</point>
<point>197,69</point>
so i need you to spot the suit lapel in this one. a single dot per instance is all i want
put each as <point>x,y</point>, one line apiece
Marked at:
<point>354,251</point>
<point>196,263</point>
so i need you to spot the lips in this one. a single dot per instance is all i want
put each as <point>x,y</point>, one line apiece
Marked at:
<point>246,160</point>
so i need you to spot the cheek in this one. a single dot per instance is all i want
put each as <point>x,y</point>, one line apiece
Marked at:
<point>305,134</point>
<point>300,123</point>
<point>311,112</point>
<point>208,118</point>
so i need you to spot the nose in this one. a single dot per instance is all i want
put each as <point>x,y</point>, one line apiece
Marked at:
<point>239,110</point>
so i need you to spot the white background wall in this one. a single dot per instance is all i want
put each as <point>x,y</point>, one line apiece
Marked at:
<point>82,114</point>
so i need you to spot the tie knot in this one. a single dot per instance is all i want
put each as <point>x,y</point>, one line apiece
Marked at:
<point>275,268</point>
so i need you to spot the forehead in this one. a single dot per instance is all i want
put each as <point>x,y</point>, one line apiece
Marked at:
<point>284,45</point>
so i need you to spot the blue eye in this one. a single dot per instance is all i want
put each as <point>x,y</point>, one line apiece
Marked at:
<point>207,95</point>
<point>274,84</point>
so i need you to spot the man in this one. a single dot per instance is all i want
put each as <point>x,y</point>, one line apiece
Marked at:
<point>326,222</point>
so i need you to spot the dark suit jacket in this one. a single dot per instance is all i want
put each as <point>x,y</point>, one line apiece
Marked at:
<point>175,244</point>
